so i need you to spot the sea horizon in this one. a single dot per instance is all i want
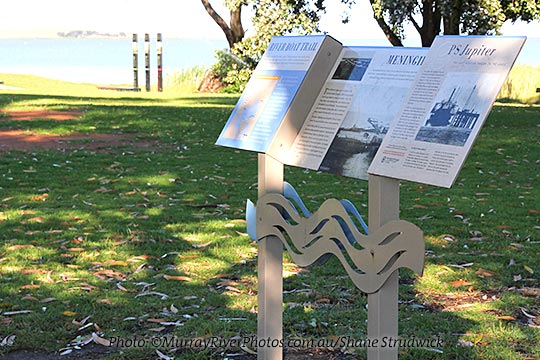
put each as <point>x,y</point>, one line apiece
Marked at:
<point>109,60</point>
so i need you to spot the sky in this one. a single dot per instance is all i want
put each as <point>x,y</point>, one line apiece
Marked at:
<point>177,18</point>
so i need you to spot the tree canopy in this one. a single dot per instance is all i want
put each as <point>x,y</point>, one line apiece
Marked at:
<point>270,18</point>
<point>450,17</point>
<point>429,17</point>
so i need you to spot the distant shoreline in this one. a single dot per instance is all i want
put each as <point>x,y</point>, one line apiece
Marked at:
<point>127,36</point>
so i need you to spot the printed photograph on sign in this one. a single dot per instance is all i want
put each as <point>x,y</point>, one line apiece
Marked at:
<point>380,83</point>
<point>456,110</point>
<point>351,69</point>
<point>250,106</point>
<point>361,133</point>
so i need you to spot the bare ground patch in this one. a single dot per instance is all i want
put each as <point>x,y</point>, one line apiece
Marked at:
<point>21,115</point>
<point>29,141</point>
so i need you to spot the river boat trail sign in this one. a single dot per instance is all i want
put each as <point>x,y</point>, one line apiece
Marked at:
<point>373,113</point>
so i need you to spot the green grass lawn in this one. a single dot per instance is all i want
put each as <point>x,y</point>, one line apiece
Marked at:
<point>135,241</point>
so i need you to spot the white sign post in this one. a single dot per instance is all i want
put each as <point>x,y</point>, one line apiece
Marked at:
<point>270,267</point>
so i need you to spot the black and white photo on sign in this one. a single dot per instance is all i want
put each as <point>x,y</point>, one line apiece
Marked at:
<point>458,108</point>
<point>351,68</point>
<point>362,130</point>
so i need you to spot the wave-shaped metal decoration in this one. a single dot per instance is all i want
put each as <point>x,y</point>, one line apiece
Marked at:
<point>368,259</point>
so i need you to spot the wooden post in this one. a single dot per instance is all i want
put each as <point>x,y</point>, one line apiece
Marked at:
<point>270,269</point>
<point>159,50</point>
<point>383,304</point>
<point>147,60</point>
<point>135,48</point>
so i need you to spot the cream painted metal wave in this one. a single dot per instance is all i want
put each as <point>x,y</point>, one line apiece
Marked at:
<point>368,259</point>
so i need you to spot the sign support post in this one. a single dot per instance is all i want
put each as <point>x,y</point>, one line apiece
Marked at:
<point>147,60</point>
<point>159,50</point>
<point>135,48</point>
<point>270,268</point>
<point>383,206</point>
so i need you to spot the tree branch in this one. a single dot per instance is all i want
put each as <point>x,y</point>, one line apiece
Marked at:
<point>415,24</point>
<point>387,30</point>
<point>219,20</point>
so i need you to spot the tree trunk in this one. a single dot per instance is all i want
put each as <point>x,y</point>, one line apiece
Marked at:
<point>235,32</point>
<point>388,32</point>
<point>451,22</point>
<point>431,22</point>
<point>237,29</point>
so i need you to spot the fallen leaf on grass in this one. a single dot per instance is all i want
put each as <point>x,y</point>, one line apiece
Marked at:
<point>48,300</point>
<point>69,313</point>
<point>201,246</point>
<point>163,356</point>
<point>191,238</point>
<point>154,320</point>
<point>104,274</point>
<point>99,340</point>
<point>117,263</point>
<point>176,278</point>
<point>42,197</point>
<point>462,266</point>
<point>486,273</point>
<point>119,286</point>
<point>9,313</point>
<point>459,283</point>
<point>30,286</point>
<point>233,289</point>
<point>530,291</point>
<point>248,350</point>
<point>8,341</point>
<point>226,282</point>
<point>464,343</point>
<point>506,318</point>
<point>17,247</point>
<point>105,301</point>
<point>146,293</point>
<point>82,322</point>
<point>524,312</point>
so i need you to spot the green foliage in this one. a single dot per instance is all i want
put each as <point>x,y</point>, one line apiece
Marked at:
<point>186,80</point>
<point>477,17</point>
<point>271,18</point>
<point>233,71</point>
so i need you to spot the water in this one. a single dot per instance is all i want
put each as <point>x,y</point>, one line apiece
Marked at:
<point>101,61</point>
<point>110,61</point>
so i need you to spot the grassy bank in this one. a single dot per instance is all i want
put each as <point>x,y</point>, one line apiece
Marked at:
<point>521,85</point>
<point>148,239</point>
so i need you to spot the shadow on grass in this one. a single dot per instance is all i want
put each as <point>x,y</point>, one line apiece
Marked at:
<point>150,244</point>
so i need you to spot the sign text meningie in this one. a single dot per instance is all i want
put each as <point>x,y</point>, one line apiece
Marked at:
<point>405,60</point>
